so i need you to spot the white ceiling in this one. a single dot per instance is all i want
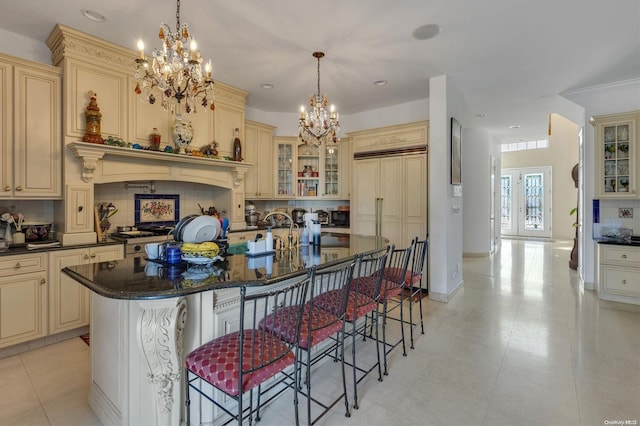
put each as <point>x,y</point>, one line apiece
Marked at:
<point>508,57</point>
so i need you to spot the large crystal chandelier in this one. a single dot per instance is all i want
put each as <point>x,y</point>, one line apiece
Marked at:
<point>318,125</point>
<point>175,71</point>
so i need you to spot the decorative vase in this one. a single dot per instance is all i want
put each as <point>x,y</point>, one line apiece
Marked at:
<point>182,133</point>
<point>155,137</point>
<point>237,146</point>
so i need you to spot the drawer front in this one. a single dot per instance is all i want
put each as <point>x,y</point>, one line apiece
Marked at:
<point>21,264</point>
<point>622,255</point>
<point>621,280</point>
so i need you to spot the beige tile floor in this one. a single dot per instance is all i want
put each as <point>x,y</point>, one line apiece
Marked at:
<point>520,344</point>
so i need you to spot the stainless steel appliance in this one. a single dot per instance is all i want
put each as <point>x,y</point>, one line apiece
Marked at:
<point>134,241</point>
<point>298,215</point>
<point>323,217</point>
<point>340,218</point>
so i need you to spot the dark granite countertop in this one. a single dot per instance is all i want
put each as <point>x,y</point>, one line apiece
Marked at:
<point>633,242</point>
<point>137,278</point>
<point>22,248</point>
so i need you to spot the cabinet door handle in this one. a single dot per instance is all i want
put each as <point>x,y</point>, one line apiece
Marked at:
<point>80,208</point>
<point>624,256</point>
<point>7,188</point>
<point>624,282</point>
<point>86,256</point>
<point>18,188</point>
<point>18,266</point>
<point>93,255</point>
<point>43,281</point>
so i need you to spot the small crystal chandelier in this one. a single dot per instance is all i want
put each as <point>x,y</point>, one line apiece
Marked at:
<point>318,125</point>
<point>175,71</point>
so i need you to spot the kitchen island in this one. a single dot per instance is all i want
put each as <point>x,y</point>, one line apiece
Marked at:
<point>146,316</point>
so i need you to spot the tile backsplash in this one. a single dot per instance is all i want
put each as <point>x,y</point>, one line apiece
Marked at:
<point>34,211</point>
<point>191,194</point>
<point>625,212</point>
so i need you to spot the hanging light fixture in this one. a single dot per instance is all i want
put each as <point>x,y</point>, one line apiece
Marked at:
<point>175,71</point>
<point>318,125</point>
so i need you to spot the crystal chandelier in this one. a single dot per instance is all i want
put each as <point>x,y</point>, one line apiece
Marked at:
<point>318,125</point>
<point>175,71</point>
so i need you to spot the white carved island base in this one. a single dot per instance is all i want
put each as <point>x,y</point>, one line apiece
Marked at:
<point>137,356</point>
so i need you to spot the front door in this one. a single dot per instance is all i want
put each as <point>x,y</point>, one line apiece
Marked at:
<point>525,203</point>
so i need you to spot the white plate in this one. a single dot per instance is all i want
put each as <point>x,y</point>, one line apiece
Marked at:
<point>198,260</point>
<point>201,229</point>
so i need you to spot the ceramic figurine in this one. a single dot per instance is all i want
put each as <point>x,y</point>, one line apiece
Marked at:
<point>92,119</point>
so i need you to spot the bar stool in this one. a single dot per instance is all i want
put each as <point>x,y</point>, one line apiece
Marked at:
<point>242,360</point>
<point>412,285</point>
<point>418,264</point>
<point>393,284</point>
<point>318,326</point>
<point>363,298</point>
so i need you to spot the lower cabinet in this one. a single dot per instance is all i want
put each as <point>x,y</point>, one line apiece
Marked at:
<point>619,273</point>
<point>69,306</point>
<point>23,298</point>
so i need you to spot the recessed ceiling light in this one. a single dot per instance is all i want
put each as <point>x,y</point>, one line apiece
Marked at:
<point>266,86</point>
<point>92,15</point>
<point>426,32</point>
<point>514,126</point>
<point>380,82</point>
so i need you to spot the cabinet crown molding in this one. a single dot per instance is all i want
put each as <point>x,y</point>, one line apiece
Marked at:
<point>66,42</point>
<point>391,137</point>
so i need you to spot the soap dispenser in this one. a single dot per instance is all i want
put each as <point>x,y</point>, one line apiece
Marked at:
<point>269,242</point>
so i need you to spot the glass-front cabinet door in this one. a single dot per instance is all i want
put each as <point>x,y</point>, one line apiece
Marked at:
<point>284,168</point>
<point>308,171</point>
<point>616,153</point>
<point>331,171</point>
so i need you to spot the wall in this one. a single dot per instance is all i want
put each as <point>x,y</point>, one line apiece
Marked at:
<point>445,211</point>
<point>24,47</point>
<point>477,148</point>
<point>561,155</point>
<point>615,98</point>
<point>287,123</point>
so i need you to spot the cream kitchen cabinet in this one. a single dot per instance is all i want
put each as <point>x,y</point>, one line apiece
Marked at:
<point>30,139</point>
<point>285,148</point>
<point>258,150</point>
<point>241,236</point>
<point>23,298</point>
<point>69,306</point>
<point>310,172</point>
<point>617,156</point>
<point>619,273</point>
<point>389,182</point>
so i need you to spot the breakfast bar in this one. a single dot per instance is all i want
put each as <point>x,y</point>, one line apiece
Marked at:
<point>145,315</point>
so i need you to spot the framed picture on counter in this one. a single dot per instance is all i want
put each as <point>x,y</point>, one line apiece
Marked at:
<point>157,209</point>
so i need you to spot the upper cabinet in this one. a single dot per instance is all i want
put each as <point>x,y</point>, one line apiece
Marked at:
<point>310,172</point>
<point>258,150</point>
<point>284,165</point>
<point>30,145</point>
<point>617,155</point>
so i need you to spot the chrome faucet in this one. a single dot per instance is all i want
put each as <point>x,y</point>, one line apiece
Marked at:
<point>291,242</point>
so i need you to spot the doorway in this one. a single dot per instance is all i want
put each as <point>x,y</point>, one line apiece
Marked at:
<point>525,202</point>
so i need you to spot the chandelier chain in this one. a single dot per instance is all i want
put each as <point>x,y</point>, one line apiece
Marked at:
<point>178,17</point>
<point>318,75</point>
